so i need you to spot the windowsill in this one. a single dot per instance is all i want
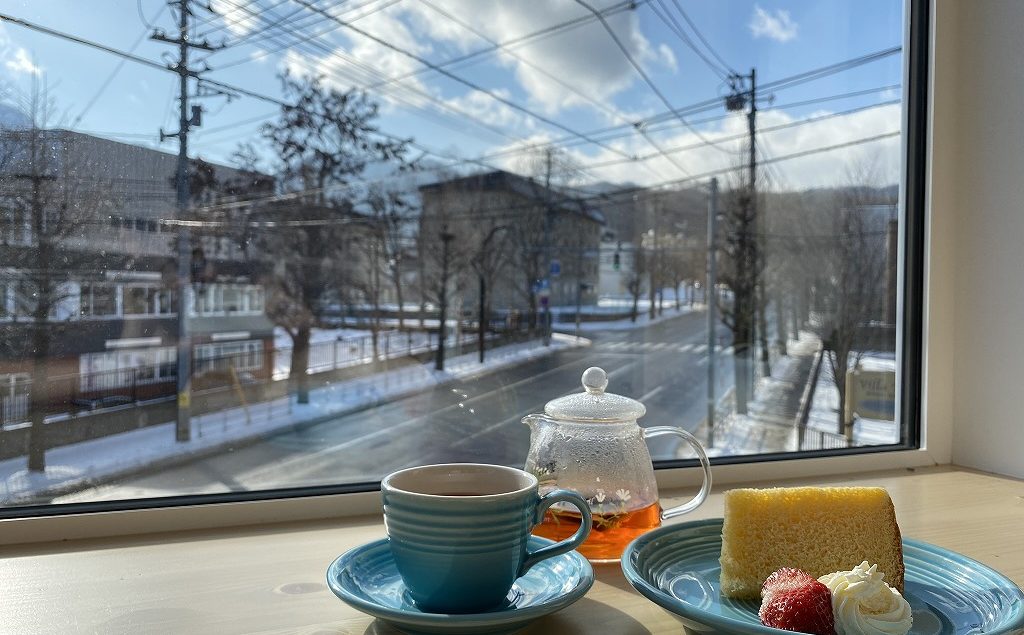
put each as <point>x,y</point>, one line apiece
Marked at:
<point>271,578</point>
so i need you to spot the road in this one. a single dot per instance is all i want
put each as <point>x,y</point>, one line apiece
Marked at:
<point>663,365</point>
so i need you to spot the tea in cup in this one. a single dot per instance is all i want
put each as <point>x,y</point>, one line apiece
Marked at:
<point>458,532</point>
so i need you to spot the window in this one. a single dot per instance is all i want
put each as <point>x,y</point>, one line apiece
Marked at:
<point>98,300</point>
<point>118,369</point>
<point>137,300</point>
<point>566,210</point>
<point>236,355</point>
<point>229,299</point>
<point>14,398</point>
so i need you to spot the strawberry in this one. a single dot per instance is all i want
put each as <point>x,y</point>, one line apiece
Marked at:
<point>794,601</point>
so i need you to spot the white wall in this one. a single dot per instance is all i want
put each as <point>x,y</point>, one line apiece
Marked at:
<point>976,265</point>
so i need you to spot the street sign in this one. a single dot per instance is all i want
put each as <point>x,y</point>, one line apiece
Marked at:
<point>540,286</point>
<point>556,268</point>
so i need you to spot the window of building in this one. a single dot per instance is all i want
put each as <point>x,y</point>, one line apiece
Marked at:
<point>138,300</point>
<point>117,369</point>
<point>763,194</point>
<point>242,356</point>
<point>101,299</point>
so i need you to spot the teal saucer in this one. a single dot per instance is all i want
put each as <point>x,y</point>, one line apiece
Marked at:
<point>677,568</point>
<point>366,579</point>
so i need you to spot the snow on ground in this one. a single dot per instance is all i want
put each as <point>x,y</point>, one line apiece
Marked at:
<point>825,406</point>
<point>331,349</point>
<point>642,321</point>
<point>755,434</point>
<point>79,465</point>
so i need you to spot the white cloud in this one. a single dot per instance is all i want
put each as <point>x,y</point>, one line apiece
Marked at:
<point>775,25</point>
<point>822,169</point>
<point>491,111</point>
<point>554,70</point>
<point>668,58</point>
<point>22,63</point>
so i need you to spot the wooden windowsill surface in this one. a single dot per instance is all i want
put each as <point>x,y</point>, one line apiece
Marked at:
<point>270,579</point>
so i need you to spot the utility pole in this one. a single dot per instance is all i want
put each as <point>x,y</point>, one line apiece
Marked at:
<point>761,305</point>
<point>187,119</point>
<point>546,300</point>
<point>711,299</point>
<point>744,96</point>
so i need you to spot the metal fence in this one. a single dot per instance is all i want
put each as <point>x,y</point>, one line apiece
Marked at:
<point>813,439</point>
<point>93,390</point>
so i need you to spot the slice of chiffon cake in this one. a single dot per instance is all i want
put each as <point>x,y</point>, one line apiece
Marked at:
<point>817,529</point>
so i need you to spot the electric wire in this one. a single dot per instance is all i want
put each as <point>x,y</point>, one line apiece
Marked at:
<point>673,25</point>
<point>650,83</point>
<point>469,84</point>
<point>714,53</point>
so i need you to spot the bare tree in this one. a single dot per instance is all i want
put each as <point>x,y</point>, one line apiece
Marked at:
<point>323,142</point>
<point>532,237</point>
<point>490,260</point>
<point>738,269</point>
<point>854,277</point>
<point>50,196</point>
<point>446,251</point>
<point>389,211</point>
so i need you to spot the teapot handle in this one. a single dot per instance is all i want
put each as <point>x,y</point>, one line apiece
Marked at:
<point>705,465</point>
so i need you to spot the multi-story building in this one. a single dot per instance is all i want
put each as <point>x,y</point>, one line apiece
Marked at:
<point>105,211</point>
<point>528,239</point>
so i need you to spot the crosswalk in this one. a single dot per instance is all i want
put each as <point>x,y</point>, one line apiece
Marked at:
<point>627,346</point>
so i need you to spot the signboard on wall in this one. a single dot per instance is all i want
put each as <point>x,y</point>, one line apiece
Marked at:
<point>871,394</point>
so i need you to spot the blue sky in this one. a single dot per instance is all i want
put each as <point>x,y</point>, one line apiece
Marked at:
<point>779,38</point>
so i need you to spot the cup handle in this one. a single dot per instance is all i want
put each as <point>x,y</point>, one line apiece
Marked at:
<point>705,465</point>
<point>557,549</point>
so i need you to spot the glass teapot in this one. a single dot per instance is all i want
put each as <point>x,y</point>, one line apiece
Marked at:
<point>590,442</point>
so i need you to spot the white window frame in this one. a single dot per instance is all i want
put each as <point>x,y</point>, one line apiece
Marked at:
<point>937,380</point>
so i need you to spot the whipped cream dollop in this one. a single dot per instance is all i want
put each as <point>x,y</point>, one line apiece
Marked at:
<point>864,604</point>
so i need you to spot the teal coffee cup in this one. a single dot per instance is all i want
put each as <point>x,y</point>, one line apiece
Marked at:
<point>458,532</point>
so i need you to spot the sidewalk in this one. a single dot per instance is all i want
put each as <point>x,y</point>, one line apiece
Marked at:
<point>89,463</point>
<point>770,424</point>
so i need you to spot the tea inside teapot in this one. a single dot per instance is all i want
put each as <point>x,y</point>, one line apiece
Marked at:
<point>590,442</point>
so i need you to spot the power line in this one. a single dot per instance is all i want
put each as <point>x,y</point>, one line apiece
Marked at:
<point>711,48</point>
<point>457,78</point>
<point>117,68</point>
<point>491,212</point>
<point>736,137</point>
<point>831,69</point>
<point>679,7</point>
<point>333,26</point>
<point>626,5</point>
<point>672,124</point>
<point>441,104</point>
<point>480,161</point>
<point>639,69</point>
<point>673,25</point>
<point>598,103</point>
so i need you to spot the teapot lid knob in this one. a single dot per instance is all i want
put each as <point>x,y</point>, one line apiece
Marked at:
<point>595,380</point>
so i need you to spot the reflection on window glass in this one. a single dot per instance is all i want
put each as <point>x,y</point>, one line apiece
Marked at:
<point>389,250</point>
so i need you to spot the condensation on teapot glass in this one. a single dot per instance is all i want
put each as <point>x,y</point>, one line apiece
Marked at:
<point>590,442</point>
<point>607,464</point>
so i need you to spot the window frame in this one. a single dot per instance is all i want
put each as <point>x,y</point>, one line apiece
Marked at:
<point>927,442</point>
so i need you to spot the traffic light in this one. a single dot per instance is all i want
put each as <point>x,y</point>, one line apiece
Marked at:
<point>616,262</point>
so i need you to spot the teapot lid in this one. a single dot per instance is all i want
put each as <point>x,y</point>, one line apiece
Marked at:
<point>594,404</point>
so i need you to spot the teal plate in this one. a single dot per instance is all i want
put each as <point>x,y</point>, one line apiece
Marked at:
<point>366,579</point>
<point>677,568</point>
